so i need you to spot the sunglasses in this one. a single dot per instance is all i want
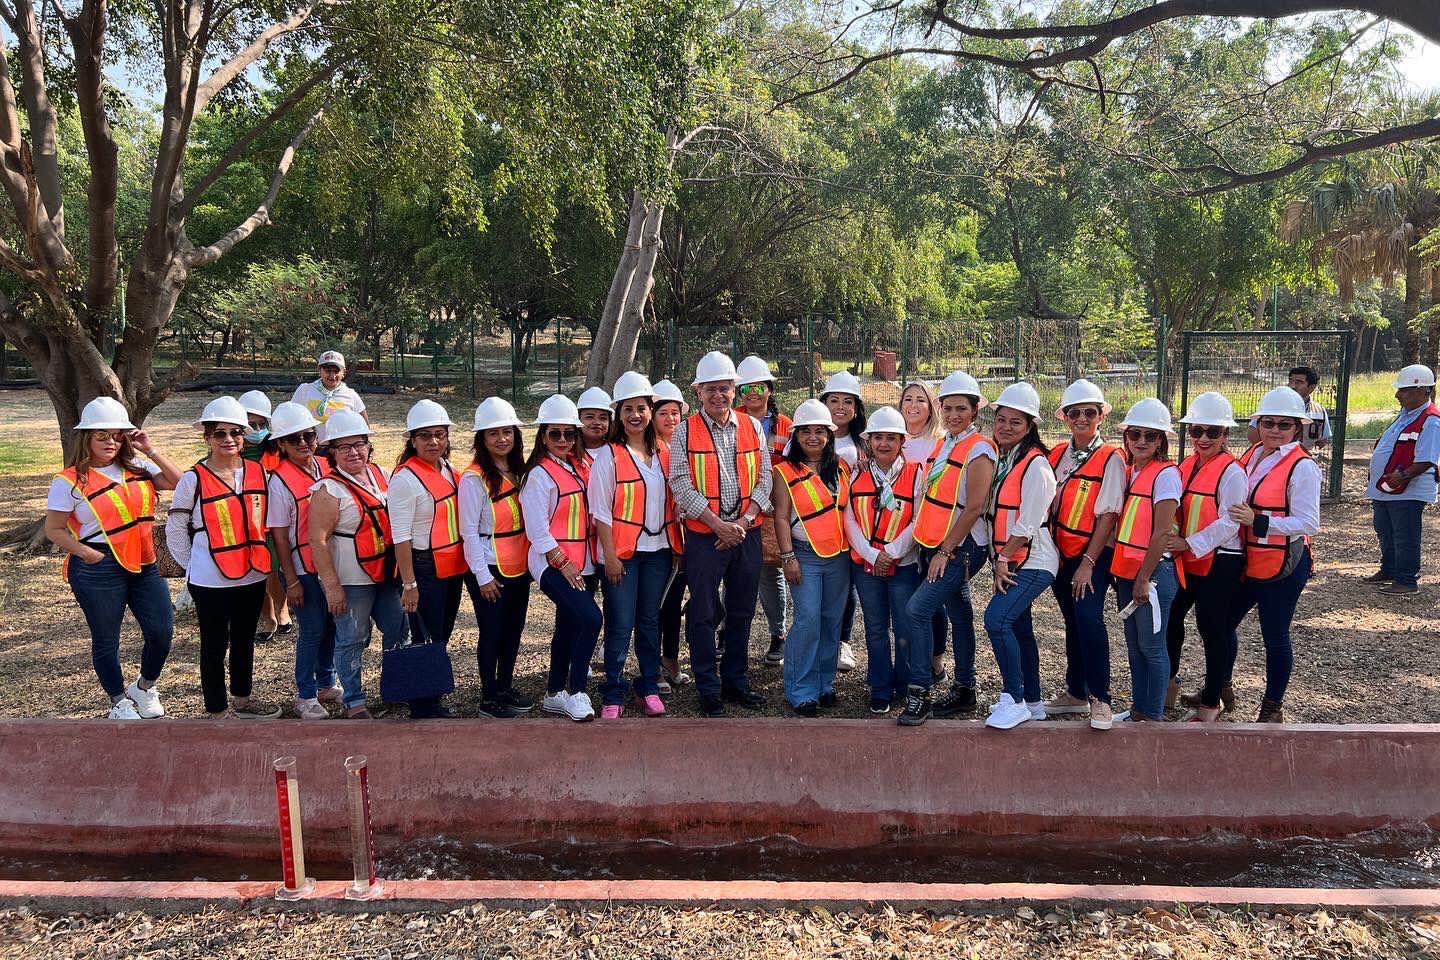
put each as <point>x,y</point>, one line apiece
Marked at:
<point>1214,433</point>
<point>1144,436</point>
<point>754,388</point>
<point>302,439</point>
<point>1082,413</point>
<point>558,434</point>
<point>227,434</point>
<point>117,436</point>
<point>359,446</point>
<point>1268,423</point>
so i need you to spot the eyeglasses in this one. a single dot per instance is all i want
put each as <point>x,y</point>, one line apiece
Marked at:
<point>1144,436</point>
<point>1269,423</point>
<point>755,388</point>
<point>563,435</point>
<point>301,439</point>
<point>227,434</point>
<point>431,436</point>
<point>359,446</point>
<point>1082,413</point>
<point>115,436</point>
<point>1214,433</point>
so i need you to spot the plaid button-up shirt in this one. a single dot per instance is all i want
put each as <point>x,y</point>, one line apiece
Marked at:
<point>691,502</point>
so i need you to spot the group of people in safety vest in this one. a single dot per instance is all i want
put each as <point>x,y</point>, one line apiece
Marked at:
<point>635,494</point>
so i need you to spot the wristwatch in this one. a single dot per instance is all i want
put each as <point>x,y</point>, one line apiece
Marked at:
<point>412,585</point>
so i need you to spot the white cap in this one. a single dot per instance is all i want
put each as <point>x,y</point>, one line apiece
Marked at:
<point>666,390</point>
<point>331,357</point>
<point>1210,409</point>
<point>713,367</point>
<point>1020,396</point>
<point>224,410</point>
<point>558,409</point>
<point>594,398</point>
<point>255,401</point>
<point>495,412</point>
<point>1415,375</point>
<point>842,382</point>
<point>885,420</point>
<point>1082,391</point>
<point>345,423</point>
<point>962,384</point>
<point>631,385</point>
<point>105,413</point>
<point>1149,413</point>
<point>812,413</point>
<point>426,413</point>
<point>753,369</point>
<point>1283,402</point>
<point>291,417</point>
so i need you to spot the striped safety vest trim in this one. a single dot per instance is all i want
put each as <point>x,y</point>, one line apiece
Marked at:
<point>705,469</point>
<point>234,523</point>
<point>446,549</point>
<point>938,507</point>
<point>821,514</point>
<point>1200,505</point>
<point>1265,557</point>
<point>125,512</point>
<point>1007,508</point>
<point>1073,520</point>
<point>881,526</point>
<point>570,523</point>
<point>507,525</point>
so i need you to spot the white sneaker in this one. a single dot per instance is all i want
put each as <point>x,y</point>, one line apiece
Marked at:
<point>557,703</point>
<point>147,702</point>
<point>310,709</point>
<point>1007,713</point>
<point>1036,708</point>
<point>847,659</point>
<point>580,708</point>
<point>124,710</point>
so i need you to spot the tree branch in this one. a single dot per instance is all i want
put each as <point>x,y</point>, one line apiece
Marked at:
<point>241,62</point>
<point>87,37</point>
<point>44,141</point>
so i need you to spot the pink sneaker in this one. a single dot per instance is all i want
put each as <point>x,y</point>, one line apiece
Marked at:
<point>611,711</point>
<point>653,706</point>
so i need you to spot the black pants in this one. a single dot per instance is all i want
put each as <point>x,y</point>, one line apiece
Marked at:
<point>438,606</point>
<point>1213,597</point>
<point>501,622</point>
<point>227,617</point>
<point>672,611</point>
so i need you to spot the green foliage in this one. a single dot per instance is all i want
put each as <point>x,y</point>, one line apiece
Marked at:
<point>295,308</point>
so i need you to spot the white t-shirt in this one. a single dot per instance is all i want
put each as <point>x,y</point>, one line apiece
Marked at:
<point>321,402</point>
<point>412,509</point>
<point>917,449</point>
<point>601,495</point>
<point>191,547</point>
<point>342,548</point>
<point>846,450</point>
<point>282,511</point>
<point>65,498</point>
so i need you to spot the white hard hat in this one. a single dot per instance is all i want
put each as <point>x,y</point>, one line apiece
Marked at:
<point>495,412</point>
<point>1210,409</point>
<point>714,366</point>
<point>632,385</point>
<point>960,383</point>
<point>1082,391</point>
<point>345,423</point>
<point>665,390</point>
<point>224,410</point>
<point>105,413</point>
<point>842,382</point>
<point>426,413</point>
<point>255,401</point>
<point>558,409</point>
<point>753,369</point>
<point>812,413</point>
<point>291,417</point>
<point>885,420</point>
<point>1020,396</point>
<point>594,399</point>
<point>1283,402</point>
<point>1149,413</point>
<point>1415,375</point>
<point>330,357</point>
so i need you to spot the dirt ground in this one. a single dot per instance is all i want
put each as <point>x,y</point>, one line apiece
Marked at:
<point>483,934</point>
<point>1351,643</point>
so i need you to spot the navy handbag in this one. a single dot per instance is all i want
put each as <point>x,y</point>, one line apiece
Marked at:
<point>415,671</point>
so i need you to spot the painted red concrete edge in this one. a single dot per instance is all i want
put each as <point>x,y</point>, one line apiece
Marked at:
<point>412,895</point>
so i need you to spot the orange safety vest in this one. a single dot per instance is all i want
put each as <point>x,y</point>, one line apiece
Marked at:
<point>674,529</point>
<point>1265,558</point>
<point>882,526</point>
<point>125,511</point>
<point>234,524</point>
<point>1137,519</point>
<point>1007,508</point>
<point>783,426</point>
<point>581,459</point>
<point>507,526</point>
<point>298,483</point>
<point>705,468</point>
<point>1200,505</point>
<point>446,550</point>
<point>570,523</point>
<point>937,510</point>
<point>1073,520</point>
<point>373,549</point>
<point>628,510</point>
<point>821,513</point>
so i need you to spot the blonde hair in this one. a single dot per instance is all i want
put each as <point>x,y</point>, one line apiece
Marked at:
<point>931,429</point>
<point>80,454</point>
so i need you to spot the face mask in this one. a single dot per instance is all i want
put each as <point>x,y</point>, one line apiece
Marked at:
<point>257,436</point>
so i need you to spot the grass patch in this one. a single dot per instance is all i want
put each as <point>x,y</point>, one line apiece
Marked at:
<point>19,457</point>
<point>1372,391</point>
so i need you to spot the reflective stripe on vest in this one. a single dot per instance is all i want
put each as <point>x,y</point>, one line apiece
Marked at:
<point>627,512</point>
<point>821,514</point>
<point>125,511</point>
<point>674,529</point>
<point>234,524</point>
<point>1007,508</point>
<point>374,552</point>
<point>1402,455</point>
<point>446,549</point>
<point>298,483</point>
<point>881,526</point>
<point>941,501</point>
<point>1265,558</point>
<point>780,433</point>
<point>1073,520</point>
<point>1200,505</point>
<point>570,523</point>
<point>1137,520</point>
<point>705,468</point>
<point>507,526</point>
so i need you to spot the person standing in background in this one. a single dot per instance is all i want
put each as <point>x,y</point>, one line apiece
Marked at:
<point>756,387</point>
<point>1316,434</point>
<point>1403,481</point>
<point>328,393</point>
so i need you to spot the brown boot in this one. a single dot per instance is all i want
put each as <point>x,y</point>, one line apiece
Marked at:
<point>1271,711</point>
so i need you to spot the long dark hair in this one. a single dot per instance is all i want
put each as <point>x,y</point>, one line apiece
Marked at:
<point>857,423</point>
<point>829,463</point>
<point>410,450</point>
<point>770,406</point>
<point>490,470</point>
<point>617,428</point>
<point>1031,440</point>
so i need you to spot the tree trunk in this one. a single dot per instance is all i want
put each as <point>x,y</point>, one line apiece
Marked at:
<point>1432,338</point>
<point>642,281</point>
<point>1414,284</point>
<point>620,286</point>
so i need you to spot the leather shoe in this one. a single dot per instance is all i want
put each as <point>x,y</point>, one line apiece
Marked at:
<point>746,698</point>
<point>807,709</point>
<point>711,706</point>
<point>828,700</point>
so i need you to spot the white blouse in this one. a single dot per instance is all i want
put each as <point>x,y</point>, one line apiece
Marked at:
<point>539,498</point>
<point>191,546</point>
<point>601,495</point>
<point>412,509</point>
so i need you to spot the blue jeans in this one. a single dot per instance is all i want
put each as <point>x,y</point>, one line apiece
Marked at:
<point>884,601</point>
<point>577,628</point>
<point>315,646</point>
<point>706,567</point>
<point>1087,642</point>
<point>1277,601</point>
<point>103,591</point>
<point>1397,524</point>
<point>633,606</point>
<point>1148,648</point>
<point>812,648</point>
<point>377,603</point>
<point>951,593</point>
<point>1012,634</point>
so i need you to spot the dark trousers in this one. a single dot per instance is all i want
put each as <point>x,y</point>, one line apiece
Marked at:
<point>227,618</point>
<point>1212,596</point>
<point>1087,643</point>
<point>103,591</point>
<point>436,610</point>
<point>1276,601</point>
<point>501,622</point>
<point>707,567</point>
<point>672,612</point>
<point>1397,526</point>
<point>577,629</point>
